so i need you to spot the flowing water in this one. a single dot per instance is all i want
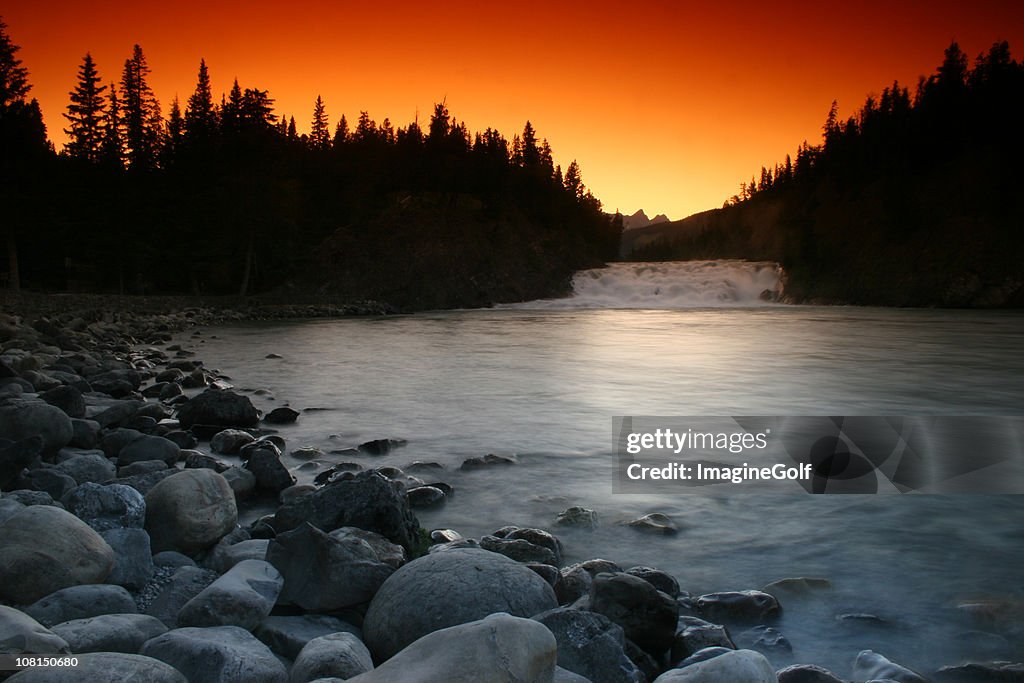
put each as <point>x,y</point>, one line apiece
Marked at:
<point>543,380</point>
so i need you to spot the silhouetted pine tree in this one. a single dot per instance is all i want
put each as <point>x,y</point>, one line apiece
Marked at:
<point>201,118</point>
<point>320,132</point>
<point>143,124</point>
<point>86,114</point>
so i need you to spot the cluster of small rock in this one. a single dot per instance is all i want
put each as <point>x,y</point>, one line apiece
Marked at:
<point>121,545</point>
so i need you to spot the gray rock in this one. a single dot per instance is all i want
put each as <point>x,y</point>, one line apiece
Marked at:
<point>223,408</point>
<point>109,632</point>
<point>654,523</point>
<point>281,416</point>
<point>148,447</point>
<point>114,440</point>
<point>695,634</point>
<point>518,549</point>
<point>591,645</point>
<point>170,558</point>
<point>230,441</point>
<point>219,654</point>
<point>199,460</point>
<point>340,655</point>
<point>978,672</point>
<point>425,496</point>
<point>739,606</point>
<point>117,413</point>
<point>143,483</point>
<point>190,511</point>
<point>89,466</point>
<point>387,552</point>
<point>134,567</point>
<point>51,480</point>
<point>21,634</point>
<point>765,639</point>
<point>566,676</point>
<point>806,673</point>
<point>224,556</point>
<point>735,666</point>
<point>185,583</point>
<point>84,433</point>
<point>287,635</point>
<point>241,481</point>
<point>68,399</point>
<point>141,467</point>
<point>797,586</point>
<point>46,549</point>
<point>664,582</point>
<point>29,497</point>
<point>323,573</point>
<point>497,649</point>
<point>453,587</point>
<point>488,460</point>
<point>577,516</point>
<point>242,597</point>
<point>21,418</point>
<point>104,507</point>
<point>368,501</point>
<point>870,665</point>
<point>271,474</point>
<point>105,666</point>
<point>81,602</point>
<point>15,456</point>
<point>704,654</point>
<point>647,615</point>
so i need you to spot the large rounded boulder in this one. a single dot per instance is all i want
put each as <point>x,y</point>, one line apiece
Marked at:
<point>449,588</point>
<point>23,418</point>
<point>224,408</point>
<point>46,549</point>
<point>190,511</point>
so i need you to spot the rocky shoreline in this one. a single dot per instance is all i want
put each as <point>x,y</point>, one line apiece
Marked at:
<point>123,464</point>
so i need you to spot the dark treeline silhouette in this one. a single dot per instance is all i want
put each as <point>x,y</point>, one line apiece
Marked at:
<point>223,196</point>
<point>914,200</point>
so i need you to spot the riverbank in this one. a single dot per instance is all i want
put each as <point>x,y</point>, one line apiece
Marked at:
<point>630,623</point>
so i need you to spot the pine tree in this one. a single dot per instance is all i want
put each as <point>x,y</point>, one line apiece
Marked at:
<point>530,153</point>
<point>231,110</point>
<point>319,134</point>
<point>86,114</point>
<point>341,133</point>
<point>112,148</point>
<point>293,133</point>
<point>574,181</point>
<point>13,76</point>
<point>175,131</point>
<point>200,111</point>
<point>143,124</point>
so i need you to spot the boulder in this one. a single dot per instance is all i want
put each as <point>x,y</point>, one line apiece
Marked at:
<point>21,418</point>
<point>21,634</point>
<point>449,588</point>
<point>134,566</point>
<point>870,665</point>
<point>271,474</point>
<point>46,549</point>
<point>368,501</point>
<point>88,466</point>
<point>281,416</point>
<point>218,654</point>
<point>735,666</point>
<point>230,441</point>
<point>387,552</point>
<point>591,645</point>
<point>69,399</point>
<point>109,632</point>
<point>242,597</point>
<point>806,673</point>
<point>106,506</point>
<point>148,447</point>
<point>693,635</point>
<point>519,550</point>
<point>190,511</point>
<point>226,555</point>
<point>117,413</point>
<point>287,635</point>
<point>185,583</point>
<point>84,433</point>
<point>105,666</point>
<point>15,456</point>
<point>81,602</point>
<point>339,655</point>
<point>224,408</point>
<point>664,582</point>
<point>739,606</point>
<point>323,573</point>
<point>655,523</point>
<point>51,480</point>
<point>647,615</point>
<point>497,649</point>
<point>577,516</point>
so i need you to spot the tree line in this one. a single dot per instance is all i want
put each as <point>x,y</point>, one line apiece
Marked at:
<point>222,195</point>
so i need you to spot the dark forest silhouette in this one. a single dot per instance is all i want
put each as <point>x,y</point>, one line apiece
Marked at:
<point>914,200</point>
<point>222,195</point>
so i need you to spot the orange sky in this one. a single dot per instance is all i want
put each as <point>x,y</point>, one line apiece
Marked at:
<point>667,106</point>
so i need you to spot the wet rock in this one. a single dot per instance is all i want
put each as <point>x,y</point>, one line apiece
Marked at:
<point>81,602</point>
<point>133,567</point>
<point>114,440</point>
<point>444,536</point>
<point>425,496</point>
<point>169,558</point>
<point>806,673</point>
<point>664,582</point>
<point>591,645</point>
<point>27,497</point>
<point>225,408</point>
<point>219,654</point>
<point>271,474</point>
<point>487,461</point>
<point>84,434</point>
<point>21,418</point>
<point>241,481</point>
<point>21,634</point>
<point>287,635</point>
<point>739,606</point>
<point>519,550</point>
<point>144,483</point>
<point>694,635</point>
<point>452,587</point>
<point>116,413</point>
<point>148,447</point>
<point>190,511</point>
<point>106,666</point>
<point>380,446</point>
<point>870,665</point>
<point>537,537</point>
<point>241,597</point>
<point>185,583</point>
<point>322,573</point>
<point>367,501</point>
<point>339,655</point>
<point>647,616</point>
<point>765,639</point>
<point>230,441</point>
<point>387,552</point>
<point>654,523</point>
<point>979,672</point>
<point>735,666</point>
<point>15,456</point>
<point>51,480</point>
<point>196,460</point>
<point>224,555</point>
<point>796,587</point>
<point>68,399</point>
<point>294,492</point>
<point>421,466</point>
<point>46,549</point>
<point>545,571</point>
<point>499,647</point>
<point>578,517</point>
<point>281,416</point>
<point>89,466</point>
<point>704,654</point>
<point>109,633</point>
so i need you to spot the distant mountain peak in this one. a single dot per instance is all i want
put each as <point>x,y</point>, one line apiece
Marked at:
<point>640,220</point>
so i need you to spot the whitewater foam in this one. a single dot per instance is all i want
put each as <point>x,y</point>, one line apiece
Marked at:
<point>672,284</point>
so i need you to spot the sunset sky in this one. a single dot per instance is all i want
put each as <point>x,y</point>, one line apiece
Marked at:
<point>667,106</point>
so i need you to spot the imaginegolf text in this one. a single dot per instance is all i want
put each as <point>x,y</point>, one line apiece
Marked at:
<point>699,472</point>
